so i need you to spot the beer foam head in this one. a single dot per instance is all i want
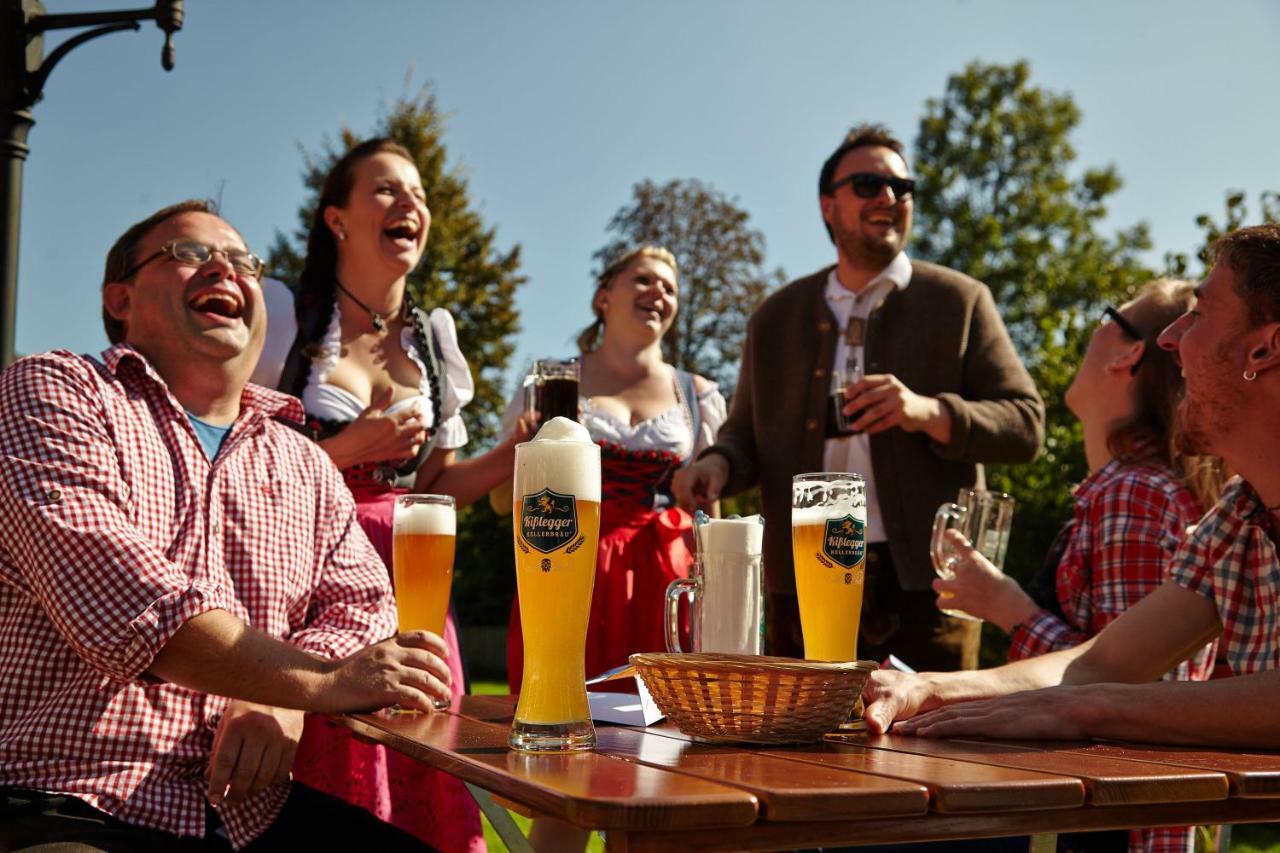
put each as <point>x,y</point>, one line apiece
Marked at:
<point>820,514</point>
<point>561,457</point>
<point>732,535</point>
<point>426,519</point>
<point>563,429</point>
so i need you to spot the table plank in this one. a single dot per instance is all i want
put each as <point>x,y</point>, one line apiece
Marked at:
<point>585,788</point>
<point>1251,774</point>
<point>1108,780</point>
<point>767,835</point>
<point>954,786</point>
<point>787,790</point>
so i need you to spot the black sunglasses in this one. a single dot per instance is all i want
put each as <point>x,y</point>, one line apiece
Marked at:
<point>869,185</point>
<point>1131,331</point>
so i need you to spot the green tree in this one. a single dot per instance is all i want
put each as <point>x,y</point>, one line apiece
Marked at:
<point>464,270</point>
<point>722,274</point>
<point>1001,198</point>
<point>1235,216</point>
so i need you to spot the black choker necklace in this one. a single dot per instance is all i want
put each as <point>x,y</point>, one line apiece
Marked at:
<point>379,320</point>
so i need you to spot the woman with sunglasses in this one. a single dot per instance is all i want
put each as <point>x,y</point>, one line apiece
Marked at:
<point>383,384</point>
<point>1141,494</point>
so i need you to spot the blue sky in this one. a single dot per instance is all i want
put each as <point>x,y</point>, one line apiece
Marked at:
<point>558,108</point>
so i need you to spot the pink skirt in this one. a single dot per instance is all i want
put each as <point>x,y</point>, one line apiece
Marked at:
<point>430,804</point>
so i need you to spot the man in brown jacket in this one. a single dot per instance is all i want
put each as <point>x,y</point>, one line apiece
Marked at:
<point>940,392</point>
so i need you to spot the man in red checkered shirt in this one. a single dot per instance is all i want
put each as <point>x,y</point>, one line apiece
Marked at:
<point>1225,576</point>
<point>181,576</point>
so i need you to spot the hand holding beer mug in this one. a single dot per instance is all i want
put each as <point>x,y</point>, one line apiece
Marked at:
<point>828,542</point>
<point>423,541</point>
<point>551,389</point>
<point>557,529</point>
<point>985,519</point>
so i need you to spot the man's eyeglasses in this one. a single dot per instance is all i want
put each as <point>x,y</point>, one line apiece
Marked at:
<point>1130,331</point>
<point>869,185</point>
<point>197,254</point>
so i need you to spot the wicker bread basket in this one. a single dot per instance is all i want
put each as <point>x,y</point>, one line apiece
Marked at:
<point>751,698</point>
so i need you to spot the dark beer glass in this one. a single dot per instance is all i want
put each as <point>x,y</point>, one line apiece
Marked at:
<point>551,389</point>
<point>838,424</point>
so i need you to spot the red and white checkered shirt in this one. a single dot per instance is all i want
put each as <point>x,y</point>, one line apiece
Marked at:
<point>1230,559</point>
<point>117,530</point>
<point>1128,521</point>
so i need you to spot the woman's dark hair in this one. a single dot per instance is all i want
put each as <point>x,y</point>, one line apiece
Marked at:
<point>317,294</point>
<point>589,338</point>
<point>1155,425</point>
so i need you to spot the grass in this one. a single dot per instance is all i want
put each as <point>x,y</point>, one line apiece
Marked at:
<point>1251,838</point>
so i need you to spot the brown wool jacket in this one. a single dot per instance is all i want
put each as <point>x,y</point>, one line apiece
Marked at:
<point>941,337</point>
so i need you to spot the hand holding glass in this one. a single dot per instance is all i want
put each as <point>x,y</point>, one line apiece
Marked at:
<point>985,519</point>
<point>424,535</point>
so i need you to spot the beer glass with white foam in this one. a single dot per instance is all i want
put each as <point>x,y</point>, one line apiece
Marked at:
<point>556,511</point>
<point>424,534</point>
<point>828,544</point>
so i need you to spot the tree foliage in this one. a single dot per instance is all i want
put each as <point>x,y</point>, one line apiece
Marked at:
<point>1001,198</point>
<point>722,275</point>
<point>462,269</point>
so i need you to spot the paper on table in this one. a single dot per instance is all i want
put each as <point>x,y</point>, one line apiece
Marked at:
<point>626,709</point>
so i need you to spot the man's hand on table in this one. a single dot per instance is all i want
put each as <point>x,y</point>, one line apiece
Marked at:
<point>892,695</point>
<point>408,670</point>
<point>253,749</point>
<point>1053,713</point>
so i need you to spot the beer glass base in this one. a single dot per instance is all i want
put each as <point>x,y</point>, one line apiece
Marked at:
<point>552,737</point>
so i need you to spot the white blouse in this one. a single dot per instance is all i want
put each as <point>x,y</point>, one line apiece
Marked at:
<point>668,430</point>
<point>331,402</point>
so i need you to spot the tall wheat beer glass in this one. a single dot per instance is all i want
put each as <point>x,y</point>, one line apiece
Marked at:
<point>828,543</point>
<point>556,511</point>
<point>424,534</point>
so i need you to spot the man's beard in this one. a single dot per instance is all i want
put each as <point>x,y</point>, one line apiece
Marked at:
<point>867,252</point>
<point>1209,416</point>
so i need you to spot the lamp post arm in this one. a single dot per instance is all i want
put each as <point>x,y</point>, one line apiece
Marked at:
<point>42,73</point>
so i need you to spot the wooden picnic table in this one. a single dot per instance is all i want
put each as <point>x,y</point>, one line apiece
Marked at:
<point>656,789</point>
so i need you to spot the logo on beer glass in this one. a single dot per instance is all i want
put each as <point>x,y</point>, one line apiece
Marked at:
<point>548,520</point>
<point>844,541</point>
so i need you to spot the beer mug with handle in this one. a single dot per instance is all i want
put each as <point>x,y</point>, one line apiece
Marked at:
<point>725,598</point>
<point>551,389</point>
<point>984,518</point>
<point>423,537</point>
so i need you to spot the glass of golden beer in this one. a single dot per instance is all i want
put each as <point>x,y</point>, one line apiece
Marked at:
<point>423,539</point>
<point>556,514</point>
<point>828,544</point>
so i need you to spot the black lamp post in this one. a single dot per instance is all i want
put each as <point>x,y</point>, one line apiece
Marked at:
<point>23,72</point>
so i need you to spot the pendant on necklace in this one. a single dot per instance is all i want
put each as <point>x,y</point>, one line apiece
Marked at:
<point>379,322</point>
